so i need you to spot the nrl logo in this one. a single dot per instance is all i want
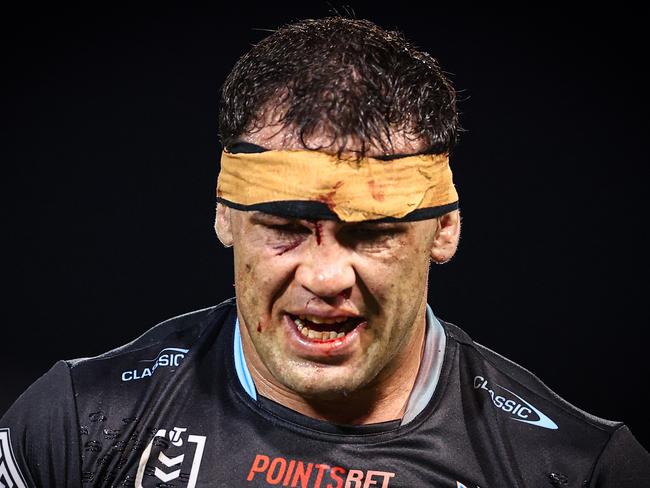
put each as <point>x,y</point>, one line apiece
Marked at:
<point>10,474</point>
<point>176,450</point>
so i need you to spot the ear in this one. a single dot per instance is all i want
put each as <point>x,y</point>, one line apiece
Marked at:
<point>223,225</point>
<point>445,241</point>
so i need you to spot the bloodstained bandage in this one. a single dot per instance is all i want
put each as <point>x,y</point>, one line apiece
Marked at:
<point>316,185</point>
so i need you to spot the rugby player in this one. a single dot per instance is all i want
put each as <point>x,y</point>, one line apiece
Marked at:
<point>328,368</point>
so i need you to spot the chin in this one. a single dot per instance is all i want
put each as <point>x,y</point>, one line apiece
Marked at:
<point>322,386</point>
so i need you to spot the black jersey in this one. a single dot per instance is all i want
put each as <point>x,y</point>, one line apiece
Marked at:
<point>169,411</point>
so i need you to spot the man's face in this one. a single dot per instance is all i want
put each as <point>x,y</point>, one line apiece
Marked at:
<point>329,305</point>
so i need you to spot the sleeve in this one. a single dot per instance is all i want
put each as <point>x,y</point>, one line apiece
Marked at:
<point>39,435</point>
<point>624,463</point>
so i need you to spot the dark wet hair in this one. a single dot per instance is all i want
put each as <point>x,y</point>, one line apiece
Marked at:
<point>346,77</point>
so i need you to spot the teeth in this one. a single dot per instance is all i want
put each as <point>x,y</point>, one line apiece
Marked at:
<point>315,334</point>
<point>323,320</point>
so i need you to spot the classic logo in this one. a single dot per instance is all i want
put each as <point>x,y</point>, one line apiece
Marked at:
<point>169,357</point>
<point>167,468</point>
<point>10,475</point>
<point>518,408</point>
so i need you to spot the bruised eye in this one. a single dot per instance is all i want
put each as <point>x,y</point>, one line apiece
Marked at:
<point>286,237</point>
<point>279,226</point>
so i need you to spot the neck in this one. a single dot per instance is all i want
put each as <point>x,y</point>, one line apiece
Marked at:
<point>383,399</point>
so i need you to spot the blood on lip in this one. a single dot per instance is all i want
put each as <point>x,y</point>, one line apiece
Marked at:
<point>322,341</point>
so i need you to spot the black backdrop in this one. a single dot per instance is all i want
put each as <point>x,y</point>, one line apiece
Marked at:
<point>111,157</point>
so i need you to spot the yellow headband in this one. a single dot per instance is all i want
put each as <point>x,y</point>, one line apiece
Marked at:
<point>288,182</point>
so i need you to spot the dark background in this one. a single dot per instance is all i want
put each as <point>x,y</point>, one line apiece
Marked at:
<point>111,158</point>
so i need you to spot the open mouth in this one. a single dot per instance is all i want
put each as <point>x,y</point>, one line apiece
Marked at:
<point>325,329</point>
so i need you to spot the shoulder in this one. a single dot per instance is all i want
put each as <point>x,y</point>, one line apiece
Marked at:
<point>42,417</point>
<point>63,407</point>
<point>503,400</point>
<point>495,373</point>
<point>181,329</point>
<point>150,359</point>
<point>175,335</point>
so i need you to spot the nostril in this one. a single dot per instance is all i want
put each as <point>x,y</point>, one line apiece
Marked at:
<point>337,298</point>
<point>345,294</point>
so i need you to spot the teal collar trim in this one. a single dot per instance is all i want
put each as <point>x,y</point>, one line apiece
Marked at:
<point>435,341</point>
<point>240,365</point>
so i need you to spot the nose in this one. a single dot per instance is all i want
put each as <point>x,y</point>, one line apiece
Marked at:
<point>327,270</point>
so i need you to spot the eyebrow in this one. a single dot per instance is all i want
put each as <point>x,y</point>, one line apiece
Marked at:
<point>378,225</point>
<point>258,216</point>
<point>263,216</point>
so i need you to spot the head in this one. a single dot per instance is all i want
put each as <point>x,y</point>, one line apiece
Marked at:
<point>329,307</point>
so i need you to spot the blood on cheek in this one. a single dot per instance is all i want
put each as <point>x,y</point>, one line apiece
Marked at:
<point>262,325</point>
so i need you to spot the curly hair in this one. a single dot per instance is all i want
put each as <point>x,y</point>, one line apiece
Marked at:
<point>347,78</point>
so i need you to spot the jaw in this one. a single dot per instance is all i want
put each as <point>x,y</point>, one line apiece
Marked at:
<point>325,369</point>
<point>368,383</point>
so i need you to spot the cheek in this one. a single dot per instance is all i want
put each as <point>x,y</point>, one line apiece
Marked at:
<point>401,274</point>
<point>259,279</point>
<point>247,278</point>
<point>248,256</point>
<point>250,274</point>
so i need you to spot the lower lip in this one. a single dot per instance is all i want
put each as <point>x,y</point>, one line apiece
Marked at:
<point>318,348</point>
